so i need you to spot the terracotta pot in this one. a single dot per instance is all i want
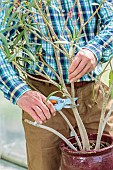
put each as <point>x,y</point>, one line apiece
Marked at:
<point>92,160</point>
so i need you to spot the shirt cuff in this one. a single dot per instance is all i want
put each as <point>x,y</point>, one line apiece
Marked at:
<point>17,90</point>
<point>96,50</point>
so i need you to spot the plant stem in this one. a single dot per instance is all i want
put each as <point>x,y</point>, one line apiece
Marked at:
<point>34,78</point>
<point>80,124</point>
<point>82,130</point>
<point>53,131</point>
<point>47,40</point>
<point>58,77</point>
<point>102,117</point>
<point>48,24</point>
<point>72,129</point>
<point>106,118</point>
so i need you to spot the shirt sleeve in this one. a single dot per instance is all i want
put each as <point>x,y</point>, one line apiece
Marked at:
<point>10,83</point>
<point>102,44</point>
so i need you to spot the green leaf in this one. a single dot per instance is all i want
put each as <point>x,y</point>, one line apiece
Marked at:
<point>34,28</point>
<point>7,13</point>
<point>5,45</point>
<point>23,59</point>
<point>32,4</point>
<point>111,81</point>
<point>112,93</point>
<point>12,57</point>
<point>110,77</point>
<point>3,38</point>
<point>75,34</point>
<point>29,54</point>
<point>12,18</point>
<point>62,42</point>
<point>48,2</point>
<point>27,61</point>
<point>54,7</point>
<point>18,38</point>
<point>33,43</point>
<point>52,94</point>
<point>69,33</point>
<point>6,51</point>
<point>9,28</point>
<point>38,48</point>
<point>26,37</point>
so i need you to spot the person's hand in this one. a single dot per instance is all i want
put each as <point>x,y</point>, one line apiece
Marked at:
<point>36,106</point>
<point>84,62</point>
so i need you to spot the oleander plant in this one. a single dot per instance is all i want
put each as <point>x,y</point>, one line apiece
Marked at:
<point>20,18</point>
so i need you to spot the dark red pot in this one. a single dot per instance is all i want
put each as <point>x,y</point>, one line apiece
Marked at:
<point>93,160</point>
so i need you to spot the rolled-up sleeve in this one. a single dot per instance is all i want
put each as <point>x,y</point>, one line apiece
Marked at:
<point>102,44</point>
<point>10,83</point>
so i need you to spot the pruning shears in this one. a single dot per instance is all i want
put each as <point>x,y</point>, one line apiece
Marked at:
<point>60,103</point>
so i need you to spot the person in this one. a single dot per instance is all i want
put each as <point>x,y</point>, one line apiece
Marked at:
<point>43,151</point>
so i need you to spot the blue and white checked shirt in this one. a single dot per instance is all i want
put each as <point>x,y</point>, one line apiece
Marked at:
<point>10,83</point>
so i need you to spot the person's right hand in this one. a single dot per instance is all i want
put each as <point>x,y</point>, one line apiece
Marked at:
<point>36,106</point>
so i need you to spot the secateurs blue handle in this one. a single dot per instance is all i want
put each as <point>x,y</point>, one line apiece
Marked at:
<point>60,103</point>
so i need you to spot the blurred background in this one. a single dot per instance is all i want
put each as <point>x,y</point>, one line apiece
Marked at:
<point>12,141</point>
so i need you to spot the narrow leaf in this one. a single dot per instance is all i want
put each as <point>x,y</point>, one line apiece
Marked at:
<point>29,53</point>
<point>110,77</point>
<point>5,44</point>
<point>6,51</point>
<point>54,7</point>
<point>69,33</point>
<point>51,94</point>
<point>12,57</point>
<point>18,38</point>
<point>62,42</point>
<point>111,81</point>
<point>12,18</point>
<point>26,37</point>
<point>9,28</point>
<point>7,13</point>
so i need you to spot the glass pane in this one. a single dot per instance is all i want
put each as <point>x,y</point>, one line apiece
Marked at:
<point>4,165</point>
<point>12,144</point>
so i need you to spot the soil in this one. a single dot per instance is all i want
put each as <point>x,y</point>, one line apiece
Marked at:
<point>93,144</point>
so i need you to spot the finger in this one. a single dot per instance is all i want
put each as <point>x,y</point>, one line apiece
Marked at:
<point>39,101</point>
<point>44,108</point>
<point>83,72</point>
<point>78,70</point>
<point>89,70</point>
<point>39,112</point>
<point>49,105</point>
<point>33,114</point>
<point>74,64</point>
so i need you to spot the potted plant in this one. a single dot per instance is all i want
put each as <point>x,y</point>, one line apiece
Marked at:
<point>82,151</point>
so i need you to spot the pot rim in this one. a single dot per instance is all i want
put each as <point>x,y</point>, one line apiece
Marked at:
<point>64,148</point>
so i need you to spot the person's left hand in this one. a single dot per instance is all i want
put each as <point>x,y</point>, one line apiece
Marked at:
<point>84,62</point>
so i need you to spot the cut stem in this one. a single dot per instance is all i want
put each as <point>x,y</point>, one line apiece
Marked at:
<point>53,131</point>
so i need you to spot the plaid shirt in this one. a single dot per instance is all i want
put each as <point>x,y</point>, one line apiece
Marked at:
<point>101,45</point>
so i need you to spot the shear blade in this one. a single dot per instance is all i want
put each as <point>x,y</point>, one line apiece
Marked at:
<point>68,101</point>
<point>68,106</point>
